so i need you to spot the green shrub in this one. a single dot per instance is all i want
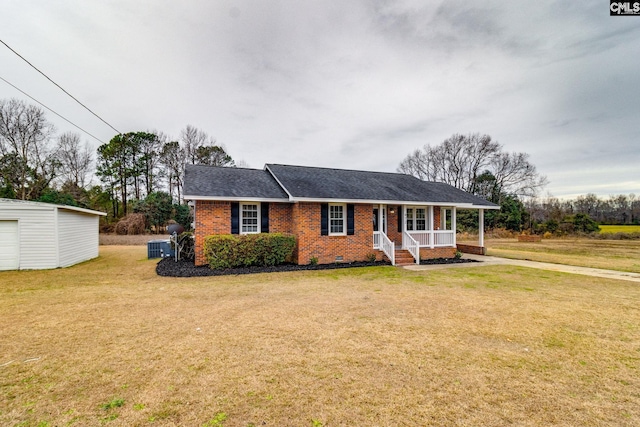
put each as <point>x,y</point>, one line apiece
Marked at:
<point>220,250</point>
<point>265,249</point>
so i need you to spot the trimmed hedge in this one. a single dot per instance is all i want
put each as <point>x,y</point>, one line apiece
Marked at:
<point>264,249</point>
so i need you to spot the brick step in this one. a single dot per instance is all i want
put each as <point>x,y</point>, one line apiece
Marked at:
<point>404,257</point>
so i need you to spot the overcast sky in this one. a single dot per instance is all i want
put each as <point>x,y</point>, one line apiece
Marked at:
<point>347,84</point>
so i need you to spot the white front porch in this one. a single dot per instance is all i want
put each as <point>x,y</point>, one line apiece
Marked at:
<point>425,239</point>
<point>417,227</point>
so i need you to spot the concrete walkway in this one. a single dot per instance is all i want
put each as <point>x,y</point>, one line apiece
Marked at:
<point>492,260</point>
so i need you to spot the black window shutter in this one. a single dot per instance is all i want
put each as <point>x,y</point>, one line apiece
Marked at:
<point>235,218</point>
<point>399,219</point>
<point>350,220</point>
<point>324,219</point>
<point>264,215</point>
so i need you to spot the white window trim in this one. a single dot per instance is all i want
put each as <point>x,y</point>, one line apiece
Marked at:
<point>242,204</point>
<point>444,211</point>
<point>344,219</point>
<point>428,214</point>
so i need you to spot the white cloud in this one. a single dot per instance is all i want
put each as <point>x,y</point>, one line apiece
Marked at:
<point>347,84</point>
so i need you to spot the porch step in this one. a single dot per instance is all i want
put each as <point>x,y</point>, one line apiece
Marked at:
<point>404,257</point>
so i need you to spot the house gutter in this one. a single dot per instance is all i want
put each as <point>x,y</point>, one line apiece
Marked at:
<point>393,202</point>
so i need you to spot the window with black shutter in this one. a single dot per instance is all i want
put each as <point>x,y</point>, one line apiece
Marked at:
<point>264,212</point>
<point>235,218</point>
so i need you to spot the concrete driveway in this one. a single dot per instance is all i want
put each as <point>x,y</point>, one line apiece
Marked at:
<point>492,260</point>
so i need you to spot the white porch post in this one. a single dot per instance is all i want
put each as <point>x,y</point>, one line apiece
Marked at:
<point>481,228</point>
<point>380,226</point>
<point>432,235</point>
<point>453,225</point>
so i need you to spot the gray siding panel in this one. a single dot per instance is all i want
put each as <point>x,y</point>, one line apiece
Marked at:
<point>77,237</point>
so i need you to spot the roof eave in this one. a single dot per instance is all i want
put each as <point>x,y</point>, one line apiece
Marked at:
<point>83,210</point>
<point>235,199</point>
<point>392,202</point>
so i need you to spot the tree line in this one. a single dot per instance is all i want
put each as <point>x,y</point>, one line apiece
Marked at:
<point>479,165</point>
<point>143,172</point>
<point>138,171</point>
<point>134,165</point>
<point>550,211</point>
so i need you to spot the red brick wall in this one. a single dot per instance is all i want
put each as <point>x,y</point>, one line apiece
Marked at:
<point>306,226</point>
<point>214,217</point>
<point>280,217</point>
<point>393,232</point>
<point>428,253</point>
<point>210,218</point>
<point>472,249</point>
<point>303,220</point>
<point>436,218</point>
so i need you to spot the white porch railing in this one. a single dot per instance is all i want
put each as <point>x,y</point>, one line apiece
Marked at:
<point>381,242</point>
<point>412,246</point>
<point>431,239</point>
<point>443,238</point>
<point>422,237</point>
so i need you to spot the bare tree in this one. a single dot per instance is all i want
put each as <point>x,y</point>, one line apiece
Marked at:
<point>28,159</point>
<point>469,162</point>
<point>417,164</point>
<point>193,138</point>
<point>242,164</point>
<point>195,147</point>
<point>75,160</point>
<point>202,149</point>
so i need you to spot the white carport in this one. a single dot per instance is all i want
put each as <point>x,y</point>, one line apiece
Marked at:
<point>41,235</point>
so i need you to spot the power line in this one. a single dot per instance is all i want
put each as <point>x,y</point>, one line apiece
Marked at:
<point>62,117</point>
<point>60,87</point>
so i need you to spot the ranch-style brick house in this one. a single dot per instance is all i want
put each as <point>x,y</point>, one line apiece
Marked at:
<point>337,215</point>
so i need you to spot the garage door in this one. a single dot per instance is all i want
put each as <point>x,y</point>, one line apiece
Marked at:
<point>9,247</point>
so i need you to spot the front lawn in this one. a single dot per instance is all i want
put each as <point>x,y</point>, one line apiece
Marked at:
<point>110,343</point>
<point>622,255</point>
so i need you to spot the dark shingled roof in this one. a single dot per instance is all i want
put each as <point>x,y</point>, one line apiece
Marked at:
<point>313,183</point>
<point>221,182</point>
<point>325,183</point>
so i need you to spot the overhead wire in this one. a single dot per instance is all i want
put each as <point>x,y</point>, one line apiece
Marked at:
<point>54,112</point>
<point>60,87</point>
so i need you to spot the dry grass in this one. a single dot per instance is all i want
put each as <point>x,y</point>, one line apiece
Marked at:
<point>622,255</point>
<point>109,343</point>
<point>132,240</point>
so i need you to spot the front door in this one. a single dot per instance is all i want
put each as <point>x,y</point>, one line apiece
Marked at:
<point>380,218</point>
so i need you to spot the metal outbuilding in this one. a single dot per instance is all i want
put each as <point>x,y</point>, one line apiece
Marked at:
<point>36,235</point>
